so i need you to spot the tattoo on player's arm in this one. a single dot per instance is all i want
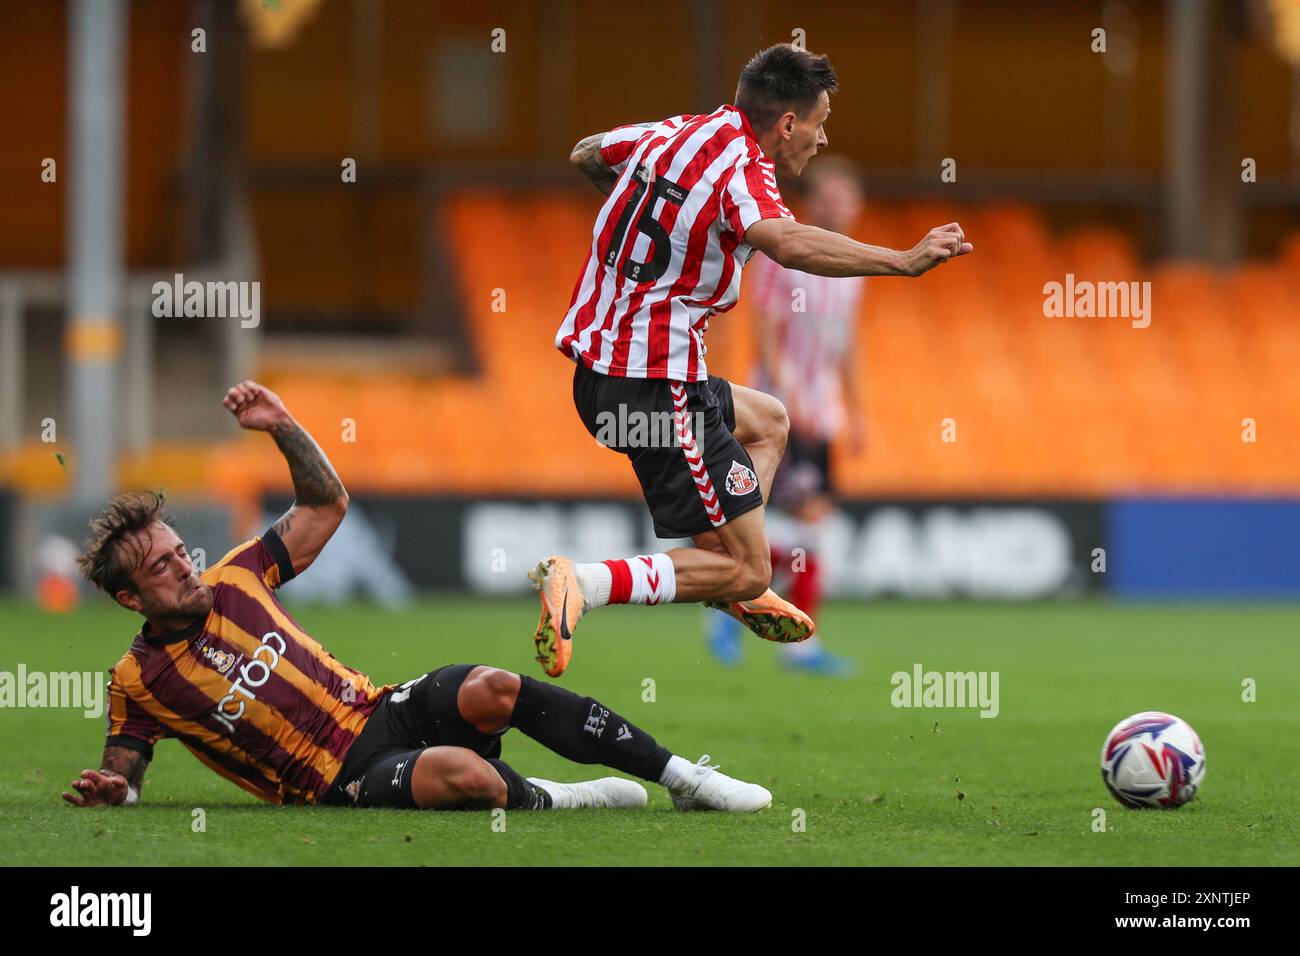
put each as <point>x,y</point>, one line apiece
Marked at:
<point>127,762</point>
<point>282,526</point>
<point>586,156</point>
<point>315,483</point>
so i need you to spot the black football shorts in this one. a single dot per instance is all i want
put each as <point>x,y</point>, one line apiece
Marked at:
<point>421,713</point>
<point>694,475</point>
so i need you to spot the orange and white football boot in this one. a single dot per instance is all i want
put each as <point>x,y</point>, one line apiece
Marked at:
<point>771,617</point>
<point>562,607</point>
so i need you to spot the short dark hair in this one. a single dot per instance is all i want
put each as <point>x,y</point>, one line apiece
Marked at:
<point>104,560</point>
<point>782,78</point>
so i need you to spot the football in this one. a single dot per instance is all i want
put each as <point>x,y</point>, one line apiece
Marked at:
<point>1153,759</point>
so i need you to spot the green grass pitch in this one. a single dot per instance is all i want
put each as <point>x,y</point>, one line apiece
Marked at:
<point>876,785</point>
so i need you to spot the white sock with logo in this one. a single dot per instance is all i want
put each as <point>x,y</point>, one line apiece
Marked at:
<point>645,579</point>
<point>654,579</point>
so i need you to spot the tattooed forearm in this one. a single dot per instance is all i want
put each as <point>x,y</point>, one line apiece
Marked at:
<point>129,763</point>
<point>315,483</point>
<point>586,156</point>
<point>282,526</point>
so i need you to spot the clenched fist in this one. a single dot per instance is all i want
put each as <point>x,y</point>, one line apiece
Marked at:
<point>939,245</point>
<point>255,406</point>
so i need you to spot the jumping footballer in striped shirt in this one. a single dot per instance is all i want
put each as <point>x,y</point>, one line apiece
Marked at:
<point>690,199</point>
<point>222,667</point>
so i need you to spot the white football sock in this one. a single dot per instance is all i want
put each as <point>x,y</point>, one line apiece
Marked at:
<point>645,579</point>
<point>595,581</point>
<point>654,579</point>
<point>676,772</point>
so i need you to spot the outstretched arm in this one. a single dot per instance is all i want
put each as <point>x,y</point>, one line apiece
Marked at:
<point>825,253</point>
<point>116,784</point>
<point>320,501</point>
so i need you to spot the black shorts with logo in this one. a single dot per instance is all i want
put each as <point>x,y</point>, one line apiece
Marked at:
<point>421,713</point>
<point>694,474</point>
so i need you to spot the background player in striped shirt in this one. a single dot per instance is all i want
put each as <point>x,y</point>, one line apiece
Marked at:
<point>689,201</point>
<point>220,665</point>
<point>808,359</point>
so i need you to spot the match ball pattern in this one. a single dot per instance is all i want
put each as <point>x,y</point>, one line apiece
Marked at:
<point>1153,759</point>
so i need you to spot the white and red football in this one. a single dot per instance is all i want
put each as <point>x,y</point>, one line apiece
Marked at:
<point>1153,759</point>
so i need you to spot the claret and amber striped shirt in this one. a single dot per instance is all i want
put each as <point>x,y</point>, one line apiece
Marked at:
<point>245,689</point>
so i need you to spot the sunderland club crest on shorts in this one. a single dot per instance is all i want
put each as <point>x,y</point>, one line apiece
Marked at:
<point>740,480</point>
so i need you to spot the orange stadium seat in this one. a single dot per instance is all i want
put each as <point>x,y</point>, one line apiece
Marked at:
<point>1088,406</point>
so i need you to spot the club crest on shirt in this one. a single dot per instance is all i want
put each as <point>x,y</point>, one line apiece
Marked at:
<point>221,660</point>
<point>740,480</point>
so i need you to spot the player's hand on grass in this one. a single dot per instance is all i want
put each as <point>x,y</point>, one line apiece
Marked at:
<point>94,788</point>
<point>939,245</point>
<point>255,406</point>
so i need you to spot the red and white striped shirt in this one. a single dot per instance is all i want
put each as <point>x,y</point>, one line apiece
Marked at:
<point>668,245</point>
<point>813,323</point>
